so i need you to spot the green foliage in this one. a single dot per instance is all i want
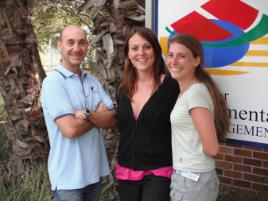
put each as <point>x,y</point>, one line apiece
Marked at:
<point>3,144</point>
<point>50,17</point>
<point>2,109</point>
<point>3,137</point>
<point>48,21</point>
<point>33,185</point>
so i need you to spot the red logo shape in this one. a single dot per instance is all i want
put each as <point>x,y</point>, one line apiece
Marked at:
<point>239,13</point>
<point>194,23</point>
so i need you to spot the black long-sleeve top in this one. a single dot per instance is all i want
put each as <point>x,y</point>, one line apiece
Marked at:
<point>145,143</point>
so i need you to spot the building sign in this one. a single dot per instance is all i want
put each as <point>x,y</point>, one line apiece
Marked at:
<point>234,35</point>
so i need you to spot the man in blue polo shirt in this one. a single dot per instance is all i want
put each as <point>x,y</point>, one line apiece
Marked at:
<point>75,106</point>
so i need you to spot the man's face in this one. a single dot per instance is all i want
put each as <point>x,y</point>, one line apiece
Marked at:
<point>73,46</point>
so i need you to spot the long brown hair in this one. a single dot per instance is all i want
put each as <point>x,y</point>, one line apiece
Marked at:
<point>129,71</point>
<point>221,118</point>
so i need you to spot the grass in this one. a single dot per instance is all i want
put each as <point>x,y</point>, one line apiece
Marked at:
<point>3,144</point>
<point>3,137</point>
<point>2,109</point>
<point>32,185</point>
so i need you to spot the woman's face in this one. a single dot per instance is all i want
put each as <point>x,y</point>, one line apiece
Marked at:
<point>141,53</point>
<point>181,62</point>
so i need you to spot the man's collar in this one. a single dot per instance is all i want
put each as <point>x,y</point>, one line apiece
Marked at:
<point>66,73</point>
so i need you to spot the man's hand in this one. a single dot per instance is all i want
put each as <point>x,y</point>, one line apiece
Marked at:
<point>101,107</point>
<point>103,118</point>
<point>79,114</point>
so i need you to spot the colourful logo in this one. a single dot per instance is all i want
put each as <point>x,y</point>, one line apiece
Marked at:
<point>228,38</point>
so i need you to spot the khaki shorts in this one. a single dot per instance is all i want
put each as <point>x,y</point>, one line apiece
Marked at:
<point>184,189</point>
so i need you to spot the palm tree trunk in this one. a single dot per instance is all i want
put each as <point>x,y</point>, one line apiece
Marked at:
<point>112,21</point>
<point>20,75</point>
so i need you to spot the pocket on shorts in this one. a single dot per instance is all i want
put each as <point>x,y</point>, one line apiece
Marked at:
<point>175,195</point>
<point>214,184</point>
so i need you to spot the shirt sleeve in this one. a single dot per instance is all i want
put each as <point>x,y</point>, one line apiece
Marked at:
<point>55,100</point>
<point>199,98</point>
<point>104,96</point>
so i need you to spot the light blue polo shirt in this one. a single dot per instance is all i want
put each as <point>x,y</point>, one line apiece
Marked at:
<point>73,163</point>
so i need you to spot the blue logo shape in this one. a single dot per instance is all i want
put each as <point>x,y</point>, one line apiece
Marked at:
<point>215,57</point>
<point>221,56</point>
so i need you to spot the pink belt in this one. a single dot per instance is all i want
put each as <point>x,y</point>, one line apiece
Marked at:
<point>123,173</point>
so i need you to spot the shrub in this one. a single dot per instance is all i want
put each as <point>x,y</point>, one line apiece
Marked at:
<point>32,185</point>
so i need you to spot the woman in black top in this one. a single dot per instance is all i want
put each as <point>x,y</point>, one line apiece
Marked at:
<point>146,98</point>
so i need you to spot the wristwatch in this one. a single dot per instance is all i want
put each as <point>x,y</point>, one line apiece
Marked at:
<point>87,113</point>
